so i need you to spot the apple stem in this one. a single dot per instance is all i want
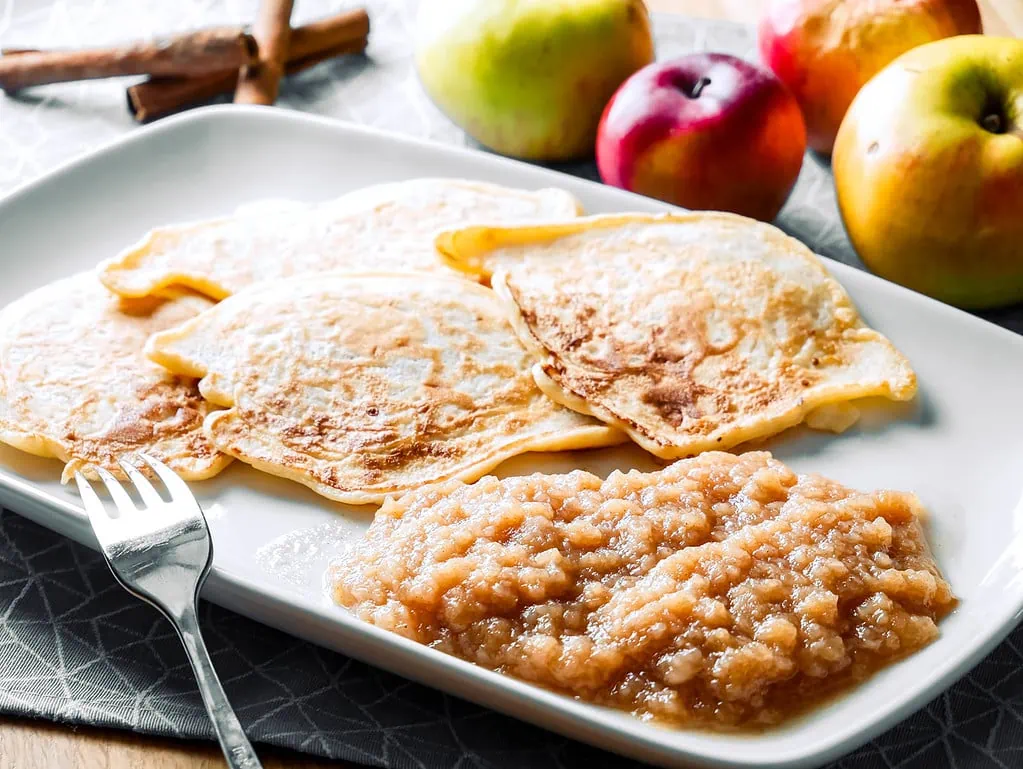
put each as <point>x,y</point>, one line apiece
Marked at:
<point>693,91</point>
<point>993,123</point>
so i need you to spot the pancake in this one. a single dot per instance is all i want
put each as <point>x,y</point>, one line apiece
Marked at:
<point>387,227</point>
<point>75,385</point>
<point>688,331</point>
<point>360,386</point>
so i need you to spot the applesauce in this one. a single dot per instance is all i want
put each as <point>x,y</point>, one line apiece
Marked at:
<point>722,591</point>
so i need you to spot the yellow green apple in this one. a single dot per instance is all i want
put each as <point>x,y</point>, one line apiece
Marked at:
<point>928,170</point>
<point>530,78</point>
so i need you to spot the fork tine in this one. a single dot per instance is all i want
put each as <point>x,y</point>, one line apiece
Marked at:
<point>117,493</point>
<point>93,507</point>
<point>178,488</point>
<point>147,492</point>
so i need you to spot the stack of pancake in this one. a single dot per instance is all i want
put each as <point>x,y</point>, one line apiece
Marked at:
<point>427,330</point>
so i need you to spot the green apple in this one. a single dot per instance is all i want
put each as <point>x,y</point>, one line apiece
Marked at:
<point>530,78</point>
<point>929,171</point>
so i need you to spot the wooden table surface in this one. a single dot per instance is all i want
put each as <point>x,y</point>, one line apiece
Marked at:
<point>35,745</point>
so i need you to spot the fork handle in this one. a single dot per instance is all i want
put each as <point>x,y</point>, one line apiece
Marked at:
<point>236,746</point>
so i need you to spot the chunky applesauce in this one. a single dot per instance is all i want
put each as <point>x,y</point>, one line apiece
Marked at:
<point>722,591</point>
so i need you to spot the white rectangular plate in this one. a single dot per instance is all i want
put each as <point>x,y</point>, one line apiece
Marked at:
<point>959,445</point>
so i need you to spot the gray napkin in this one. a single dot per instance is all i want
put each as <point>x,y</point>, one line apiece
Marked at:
<point>75,648</point>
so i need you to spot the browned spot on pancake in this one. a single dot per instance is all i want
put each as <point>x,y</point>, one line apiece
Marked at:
<point>159,410</point>
<point>401,455</point>
<point>675,400</point>
<point>130,428</point>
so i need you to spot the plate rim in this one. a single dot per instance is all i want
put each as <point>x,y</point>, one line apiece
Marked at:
<point>247,597</point>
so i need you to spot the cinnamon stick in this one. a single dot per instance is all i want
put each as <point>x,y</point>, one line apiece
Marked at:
<point>159,97</point>
<point>311,44</point>
<point>331,32</point>
<point>193,53</point>
<point>258,83</point>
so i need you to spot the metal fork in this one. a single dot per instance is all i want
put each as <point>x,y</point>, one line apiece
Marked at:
<point>162,554</point>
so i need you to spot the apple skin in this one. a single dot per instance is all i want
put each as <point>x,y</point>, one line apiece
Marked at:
<point>826,50</point>
<point>931,198</point>
<point>735,145</point>
<point>529,78</point>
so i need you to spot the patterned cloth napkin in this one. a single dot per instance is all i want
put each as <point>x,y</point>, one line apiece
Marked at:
<point>74,647</point>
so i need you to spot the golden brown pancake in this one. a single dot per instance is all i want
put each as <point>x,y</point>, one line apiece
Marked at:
<point>360,386</point>
<point>688,331</point>
<point>386,227</point>
<point>75,385</point>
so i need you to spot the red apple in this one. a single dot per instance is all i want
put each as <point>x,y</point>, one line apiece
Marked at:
<point>706,131</point>
<point>826,50</point>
